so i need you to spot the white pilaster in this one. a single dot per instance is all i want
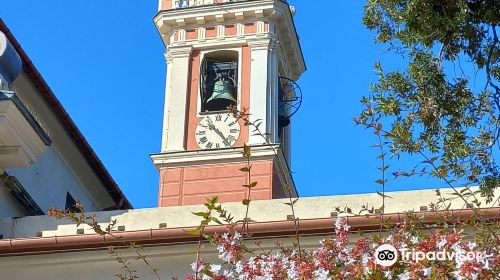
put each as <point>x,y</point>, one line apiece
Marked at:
<point>288,148</point>
<point>260,27</point>
<point>221,30</point>
<point>182,36</point>
<point>202,34</point>
<point>174,118</point>
<point>272,84</point>
<point>259,78</point>
<point>240,30</point>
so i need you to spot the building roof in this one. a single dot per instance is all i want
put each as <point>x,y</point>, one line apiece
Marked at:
<point>170,225</point>
<point>74,133</point>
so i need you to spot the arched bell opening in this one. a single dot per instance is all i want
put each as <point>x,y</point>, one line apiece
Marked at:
<point>219,81</point>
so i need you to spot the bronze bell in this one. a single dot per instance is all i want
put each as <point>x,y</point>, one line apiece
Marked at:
<point>222,96</point>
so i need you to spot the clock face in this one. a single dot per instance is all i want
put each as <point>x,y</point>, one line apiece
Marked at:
<point>217,131</point>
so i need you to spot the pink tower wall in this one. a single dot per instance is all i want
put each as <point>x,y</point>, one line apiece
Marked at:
<point>166,4</point>
<point>195,184</point>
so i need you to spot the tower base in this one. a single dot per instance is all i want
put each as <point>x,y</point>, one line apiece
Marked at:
<point>192,177</point>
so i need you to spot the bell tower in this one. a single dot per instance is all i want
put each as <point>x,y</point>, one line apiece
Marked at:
<point>225,54</point>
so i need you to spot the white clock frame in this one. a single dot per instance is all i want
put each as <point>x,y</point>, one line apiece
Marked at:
<point>217,131</point>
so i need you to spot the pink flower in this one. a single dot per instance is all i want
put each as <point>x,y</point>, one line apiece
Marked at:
<point>338,258</point>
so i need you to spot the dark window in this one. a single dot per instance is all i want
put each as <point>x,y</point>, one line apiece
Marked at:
<point>70,203</point>
<point>219,81</point>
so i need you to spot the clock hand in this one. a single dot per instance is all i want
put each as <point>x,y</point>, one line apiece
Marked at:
<point>221,135</point>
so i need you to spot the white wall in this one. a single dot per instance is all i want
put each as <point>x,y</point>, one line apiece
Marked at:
<point>9,207</point>
<point>62,167</point>
<point>171,260</point>
<point>48,180</point>
<point>261,211</point>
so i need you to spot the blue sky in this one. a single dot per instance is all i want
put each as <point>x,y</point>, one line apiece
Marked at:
<point>104,61</point>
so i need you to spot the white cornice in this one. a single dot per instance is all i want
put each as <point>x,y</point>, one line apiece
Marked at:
<point>216,156</point>
<point>276,12</point>
<point>180,51</point>
<point>261,43</point>
<point>21,142</point>
<point>218,13</point>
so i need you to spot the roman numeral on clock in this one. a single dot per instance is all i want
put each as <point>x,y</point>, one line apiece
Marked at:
<point>217,131</point>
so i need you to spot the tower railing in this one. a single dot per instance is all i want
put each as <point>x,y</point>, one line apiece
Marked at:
<point>176,4</point>
<point>192,3</point>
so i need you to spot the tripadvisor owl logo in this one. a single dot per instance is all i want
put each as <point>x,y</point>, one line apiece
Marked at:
<point>386,255</point>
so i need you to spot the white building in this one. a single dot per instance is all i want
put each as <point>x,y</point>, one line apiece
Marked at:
<point>44,159</point>
<point>50,249</point>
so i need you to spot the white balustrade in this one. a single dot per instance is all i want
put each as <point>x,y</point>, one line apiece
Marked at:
<point>191,3</point>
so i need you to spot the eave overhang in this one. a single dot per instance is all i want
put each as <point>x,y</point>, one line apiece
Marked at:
<point>275,229</point>
<point>22,139</point>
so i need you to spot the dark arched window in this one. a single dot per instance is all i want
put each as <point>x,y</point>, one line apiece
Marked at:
<point>219,81</point>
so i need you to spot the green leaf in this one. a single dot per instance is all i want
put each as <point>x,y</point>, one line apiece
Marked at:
<point>381,182</point>
<point>291,203</point>
<point>251,186</point>
<point>201,214</point>
<point>383,169</point>
<point>246,151</point>
<point>216,220</point>
<point>383,195</point>
<point>443,173</point>
<point>195,231</point>
<point>246,202</point>
<point>214,200</point>
<point>208,237</point>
